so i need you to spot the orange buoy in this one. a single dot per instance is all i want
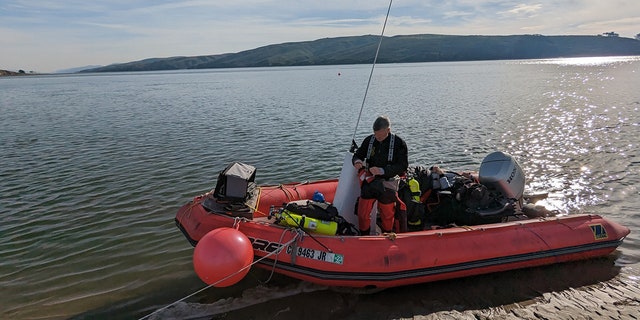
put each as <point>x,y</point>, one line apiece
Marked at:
<point>221,255</point>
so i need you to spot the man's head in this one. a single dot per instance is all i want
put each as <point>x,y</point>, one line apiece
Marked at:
<point>381,128</point>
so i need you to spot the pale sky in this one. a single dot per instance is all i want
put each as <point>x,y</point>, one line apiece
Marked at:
<point>50,35</point>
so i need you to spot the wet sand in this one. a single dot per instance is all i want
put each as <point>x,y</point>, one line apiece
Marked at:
<point>593,289</point>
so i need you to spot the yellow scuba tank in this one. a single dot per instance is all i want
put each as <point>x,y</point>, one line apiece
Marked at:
<point>312,225</point>
<point>414,186</point>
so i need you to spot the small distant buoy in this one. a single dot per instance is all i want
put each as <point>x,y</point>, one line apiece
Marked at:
<point>221,253</point>
<point>338,73</point>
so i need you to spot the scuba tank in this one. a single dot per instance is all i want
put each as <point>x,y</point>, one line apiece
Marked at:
<point>414,186</point>
<point>290,219</point>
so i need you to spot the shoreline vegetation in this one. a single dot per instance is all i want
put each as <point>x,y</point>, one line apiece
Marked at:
<point>7,73</point>
<point>394,49</point>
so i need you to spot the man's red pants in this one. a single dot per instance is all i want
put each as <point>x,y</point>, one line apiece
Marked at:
<point>386,210</point>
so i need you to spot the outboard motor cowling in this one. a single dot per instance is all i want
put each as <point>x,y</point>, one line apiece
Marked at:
<point>501,172</point>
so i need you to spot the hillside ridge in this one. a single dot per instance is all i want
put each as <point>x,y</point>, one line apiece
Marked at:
<point>395,49</point>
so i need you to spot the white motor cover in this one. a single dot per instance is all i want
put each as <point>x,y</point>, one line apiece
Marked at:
<point>501,172</point>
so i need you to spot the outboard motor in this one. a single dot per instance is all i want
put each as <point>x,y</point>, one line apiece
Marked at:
<point>501,173</point>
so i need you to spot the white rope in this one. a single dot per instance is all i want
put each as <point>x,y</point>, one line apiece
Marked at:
<point>371,74</point>
<point>275,261</point>
<point>295,237</point>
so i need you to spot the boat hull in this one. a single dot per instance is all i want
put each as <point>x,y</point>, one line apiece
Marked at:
<point>407,258</point>
<point>427,256</point>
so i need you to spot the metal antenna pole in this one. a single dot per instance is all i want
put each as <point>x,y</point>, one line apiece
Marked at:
<point>371,74</point>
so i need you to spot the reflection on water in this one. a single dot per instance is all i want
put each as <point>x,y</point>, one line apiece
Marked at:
<point>94,167</point>
<point>584,61</point>
<point>579,142</point>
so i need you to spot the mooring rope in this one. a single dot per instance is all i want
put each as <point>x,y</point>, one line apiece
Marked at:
<point>275,260</point>
<point>371,74</point>
<point>295,237</point>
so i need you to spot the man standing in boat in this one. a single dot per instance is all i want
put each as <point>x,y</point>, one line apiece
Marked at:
<point>380,159</point>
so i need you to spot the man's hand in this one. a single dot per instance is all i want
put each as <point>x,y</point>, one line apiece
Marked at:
<point>377,171</point>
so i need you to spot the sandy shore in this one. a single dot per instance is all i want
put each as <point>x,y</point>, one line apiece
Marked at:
<point>593,289</point>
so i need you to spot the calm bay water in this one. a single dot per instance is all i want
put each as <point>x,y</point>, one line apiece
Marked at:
<point>94,167</point>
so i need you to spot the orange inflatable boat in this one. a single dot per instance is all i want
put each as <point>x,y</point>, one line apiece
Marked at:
<point>294,244</point>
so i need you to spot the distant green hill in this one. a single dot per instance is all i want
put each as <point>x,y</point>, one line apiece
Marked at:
<point>396,49</point>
